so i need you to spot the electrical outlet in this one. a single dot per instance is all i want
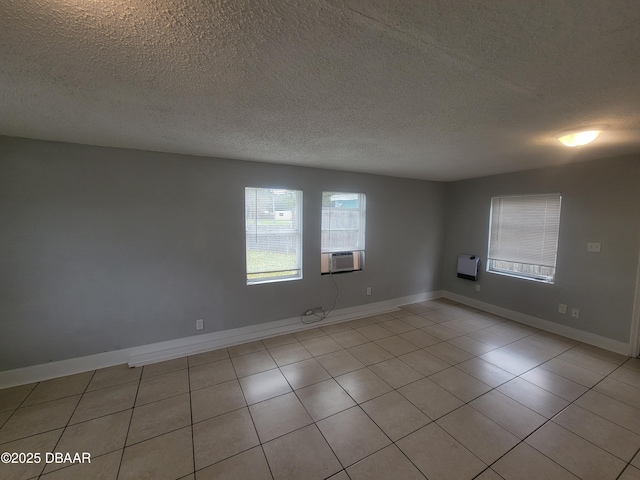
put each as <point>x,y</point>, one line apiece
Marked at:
<point>368,290</point>
<point>575,313</point>
<point>562,308</point>
<point>593,247</point>
<point>477,287</point>
<point>199,324</point>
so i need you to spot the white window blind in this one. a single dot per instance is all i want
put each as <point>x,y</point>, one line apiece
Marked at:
<point>343,226</point>
<point>523,236</point>
<point>273,223</point>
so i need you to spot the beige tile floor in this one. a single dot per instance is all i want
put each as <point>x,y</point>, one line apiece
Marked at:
<point>435,390</point>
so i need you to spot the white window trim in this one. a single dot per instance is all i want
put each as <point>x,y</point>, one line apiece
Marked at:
<point>359,251</point>
<point>298,231</point>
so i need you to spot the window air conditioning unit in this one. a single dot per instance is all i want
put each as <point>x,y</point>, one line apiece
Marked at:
<point>341,262</point>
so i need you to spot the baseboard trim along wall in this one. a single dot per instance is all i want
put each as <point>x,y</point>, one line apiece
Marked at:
<point>181,347</point>
<point>552,327</point>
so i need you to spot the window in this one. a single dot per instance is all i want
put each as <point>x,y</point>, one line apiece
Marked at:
<point>523,236</point>
<point>343,227</point>
<point>273,223</point>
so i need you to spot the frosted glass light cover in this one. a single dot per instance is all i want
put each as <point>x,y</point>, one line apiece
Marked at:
<point>577,139</point>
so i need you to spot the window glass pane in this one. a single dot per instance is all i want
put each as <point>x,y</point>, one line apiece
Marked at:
<point>343,218</point>
<point>273,234</point>
<point>523,237</point>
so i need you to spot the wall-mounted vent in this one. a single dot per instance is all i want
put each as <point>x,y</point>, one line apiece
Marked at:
<point>342,262</point>
<point>468,267</point>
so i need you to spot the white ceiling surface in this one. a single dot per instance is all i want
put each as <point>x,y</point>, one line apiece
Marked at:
<point>440,90</point>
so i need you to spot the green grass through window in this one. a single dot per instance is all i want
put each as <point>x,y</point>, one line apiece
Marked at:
<point>272,264</point>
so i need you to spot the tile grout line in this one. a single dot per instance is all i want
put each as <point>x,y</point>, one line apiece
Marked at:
<point>193,439</point>
<point>260,444</point>
<point>629,463</point>
<point>67,425</point>
<point>19,406</point>
<point>124,447</point>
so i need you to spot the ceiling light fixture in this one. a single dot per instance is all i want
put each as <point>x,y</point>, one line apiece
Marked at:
<point>577,138</point>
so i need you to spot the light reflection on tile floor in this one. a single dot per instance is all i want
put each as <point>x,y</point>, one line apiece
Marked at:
<point>436,390</point>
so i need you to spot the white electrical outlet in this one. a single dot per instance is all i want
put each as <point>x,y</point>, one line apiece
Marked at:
<point>562,308</point>
<point>593,247</point>
<point>368,290</point>
<point>477,287</point>
<point>199,324</point>
<point>575,313</point>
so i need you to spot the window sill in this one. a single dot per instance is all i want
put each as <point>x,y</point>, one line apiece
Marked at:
<point>338,273</point>
<point>522,277</point>
<point>272,280</point>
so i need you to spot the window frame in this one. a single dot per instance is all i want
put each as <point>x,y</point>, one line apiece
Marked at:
<point>359,249</point>
<point>540,278</point>
<point>297,220</point>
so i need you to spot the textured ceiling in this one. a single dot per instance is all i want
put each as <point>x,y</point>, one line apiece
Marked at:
<point>440,90</point>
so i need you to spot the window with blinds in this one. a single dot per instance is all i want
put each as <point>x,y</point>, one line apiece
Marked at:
<point>273,224</point>
<point>343,227</point>
<point>523,236</point>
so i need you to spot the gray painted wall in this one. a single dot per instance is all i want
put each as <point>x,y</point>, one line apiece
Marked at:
<point>600,203</point>
<point>103,249</point>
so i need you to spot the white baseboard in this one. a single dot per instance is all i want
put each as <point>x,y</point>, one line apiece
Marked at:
<point>573,333</point>
<point>203,343</point>
<point>181,347</point>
